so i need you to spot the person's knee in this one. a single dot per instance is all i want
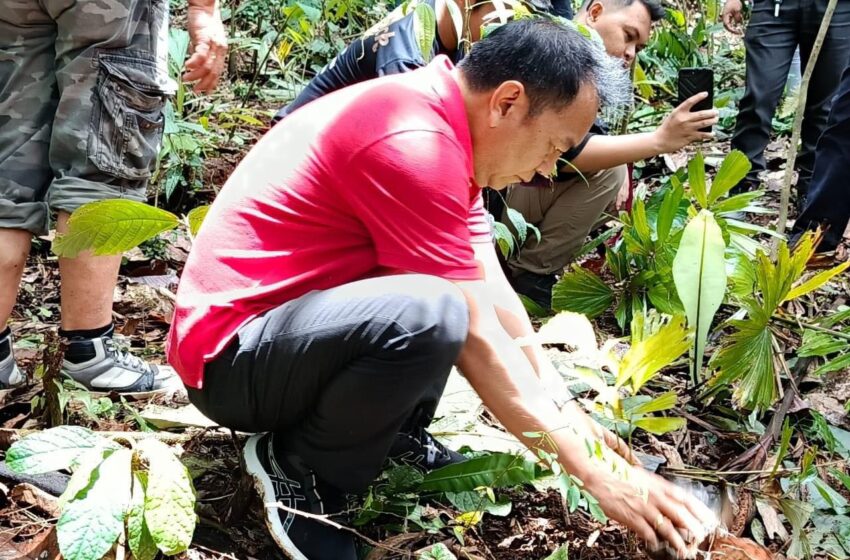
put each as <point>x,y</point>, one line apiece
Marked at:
<point>437,310</point>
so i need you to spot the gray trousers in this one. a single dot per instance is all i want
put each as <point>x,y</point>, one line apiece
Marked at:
<point>83,85</point>
<point>770,43</point>
<point>335,374</point>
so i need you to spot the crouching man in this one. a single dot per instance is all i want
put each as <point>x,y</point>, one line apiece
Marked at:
<point>334,284</point>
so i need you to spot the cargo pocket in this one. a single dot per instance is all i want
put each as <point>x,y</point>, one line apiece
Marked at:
<point>128,116</point>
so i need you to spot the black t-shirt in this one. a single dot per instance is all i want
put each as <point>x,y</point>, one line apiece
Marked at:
<point>387,48</point>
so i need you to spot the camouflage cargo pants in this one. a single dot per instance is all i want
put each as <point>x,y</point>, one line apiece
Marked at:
<point>83,85</point>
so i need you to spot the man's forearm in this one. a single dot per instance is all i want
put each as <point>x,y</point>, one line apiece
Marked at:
<point>502,376</point>
<point>605,152</point>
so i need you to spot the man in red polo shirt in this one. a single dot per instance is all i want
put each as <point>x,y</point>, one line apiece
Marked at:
<point>334,283</point>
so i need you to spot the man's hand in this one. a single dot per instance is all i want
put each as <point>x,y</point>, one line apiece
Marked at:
<point>681,127</point>
<point>654,508</point>
<point>733,19</point>
<point>209,45</point>
<point>623,195</point>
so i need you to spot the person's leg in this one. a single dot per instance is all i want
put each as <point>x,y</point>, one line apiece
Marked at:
<point>565,215</point>
<point>334,375</point>
<point>770,43</point>
<point>828,203</point>
<point>112,80</point>
<point>27,104</point>
<point>833,58</point>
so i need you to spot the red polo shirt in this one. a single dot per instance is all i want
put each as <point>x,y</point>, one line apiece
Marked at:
<point>370,180</point>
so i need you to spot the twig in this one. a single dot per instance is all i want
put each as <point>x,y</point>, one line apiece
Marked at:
<point>782,222</point>
<point>801,325</point>
<point>327,521</point>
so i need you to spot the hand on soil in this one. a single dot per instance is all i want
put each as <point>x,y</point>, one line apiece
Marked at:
<point>657,510</point>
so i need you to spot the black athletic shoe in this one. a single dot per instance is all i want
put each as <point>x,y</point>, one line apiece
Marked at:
<point>283,480</point>
<point>420,449</point>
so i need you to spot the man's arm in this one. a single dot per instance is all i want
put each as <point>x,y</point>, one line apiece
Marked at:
<point>504,379</point>
<point>680,128</point>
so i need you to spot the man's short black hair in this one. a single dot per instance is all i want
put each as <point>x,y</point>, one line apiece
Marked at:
<point>551,60</point>
<point>655,8</point>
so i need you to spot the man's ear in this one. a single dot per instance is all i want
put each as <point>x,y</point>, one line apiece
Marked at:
<point>594,11</point>
<point>507,101</point>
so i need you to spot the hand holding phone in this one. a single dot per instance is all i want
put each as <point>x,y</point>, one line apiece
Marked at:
<point>693,81</point>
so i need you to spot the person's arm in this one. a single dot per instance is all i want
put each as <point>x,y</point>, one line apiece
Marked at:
<point>515,322</point>
<point>502,376</point>
<point>680,128</point>
<point>209,45</point>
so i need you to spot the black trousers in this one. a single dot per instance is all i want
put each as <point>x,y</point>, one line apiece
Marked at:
<point>335,374</point>
<point>828,203</point>
<point>770,43</point>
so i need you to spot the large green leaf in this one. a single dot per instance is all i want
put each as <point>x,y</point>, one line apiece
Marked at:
<point>696,179</point>
<point>139,537</point>
<point>747,358</point>
<point>497,470</point>
<point>169,499</point>
<point>52,450</point>
<point>740,202</point>
<point>735,167</point>
<point>424,28</point>
<point>649,355</point>
<point>111,227</point>
<point>90,524</point>
<point>581,291</point>
<point>816,343</point>
<point>85,471</point>
<point>699,271</point>
<point>520,225</point>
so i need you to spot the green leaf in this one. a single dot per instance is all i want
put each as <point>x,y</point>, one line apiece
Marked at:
<point>664,401</point>
<point>169,499</point>
<point>816,343</point>
<point>195,217</point>
<point>738,203</point>
<point>696,179</point>
<point>735,167</point>
<point>504,238</point>
<point>581,291</point>
<point>437,552</point>
<point>747,357</point>
<point>466,502</point>
<point>836,364</point>
<point>699,271</point>
<point>520,225</point>
<point>403,478</point>
<point>424,28</point>
<point>667,212</point>
<point>90,524</point>
<point>84,472</point>
<point>139,537</point>
<point>111,227</point>
<point>648,356</point>
<point>560,554</point>
<point>497,470</point>
<point>816,281</point>
<point>644,88</point>
<point>659,425</point>
<point>51,450</point>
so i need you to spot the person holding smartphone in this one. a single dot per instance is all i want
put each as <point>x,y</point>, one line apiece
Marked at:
<point>775,30</point>
<point>594,175</point>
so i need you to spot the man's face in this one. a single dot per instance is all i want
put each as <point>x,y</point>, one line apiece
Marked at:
<point>624,30</point>
<point>523,145</point>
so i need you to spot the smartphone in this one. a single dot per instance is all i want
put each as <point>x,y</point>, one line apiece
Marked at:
<point>691,82</point>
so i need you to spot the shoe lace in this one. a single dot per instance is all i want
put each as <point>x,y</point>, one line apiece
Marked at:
<point>126,359</point>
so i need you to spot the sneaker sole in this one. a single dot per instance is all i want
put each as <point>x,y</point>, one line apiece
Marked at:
<point>264,487</point>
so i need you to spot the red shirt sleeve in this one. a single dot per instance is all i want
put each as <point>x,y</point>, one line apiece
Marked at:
<point>412,192</point>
